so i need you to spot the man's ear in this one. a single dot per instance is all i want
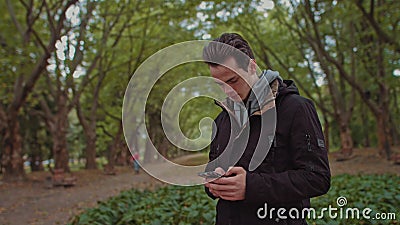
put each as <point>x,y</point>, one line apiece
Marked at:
<point>252,68</point>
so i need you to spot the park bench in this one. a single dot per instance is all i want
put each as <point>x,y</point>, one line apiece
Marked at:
<point>59,178</point>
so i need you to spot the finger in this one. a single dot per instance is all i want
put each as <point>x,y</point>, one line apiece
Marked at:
<point>227,193</point>
<point>218,187</point>
<point>235,170</point>
<point>208,180</point>
<point>215,193</point>
<point>229,196</point>
<point>231,180</point>
<point>218,194</point>
<point>224,181</point>
<point>208,185</point>
<point>219,170</point>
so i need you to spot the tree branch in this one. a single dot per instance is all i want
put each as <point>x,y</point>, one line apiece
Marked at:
<point>21,95</point>
<point>108,113</point>
<point>380,33</point>
<point>14,18</point>
<point>49,18</point>
<point>101,126</point>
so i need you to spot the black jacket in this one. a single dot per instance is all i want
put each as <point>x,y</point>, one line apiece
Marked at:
<point>296,167</point>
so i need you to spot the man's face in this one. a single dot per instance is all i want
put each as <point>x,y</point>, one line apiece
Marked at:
<point>228,78</point>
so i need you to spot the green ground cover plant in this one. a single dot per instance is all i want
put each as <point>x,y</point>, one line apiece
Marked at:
<point>190,205</point>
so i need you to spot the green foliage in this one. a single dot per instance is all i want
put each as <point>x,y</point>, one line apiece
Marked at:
<point>380,193</point>
<point>167,205</point>
<point>190,205</point>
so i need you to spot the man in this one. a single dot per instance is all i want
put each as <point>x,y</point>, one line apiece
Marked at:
<point>295,167</point>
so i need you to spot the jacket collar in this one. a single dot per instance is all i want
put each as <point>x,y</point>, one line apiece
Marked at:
<point>264,91</point>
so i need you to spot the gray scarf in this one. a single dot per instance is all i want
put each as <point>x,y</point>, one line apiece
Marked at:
<point>259,96</point>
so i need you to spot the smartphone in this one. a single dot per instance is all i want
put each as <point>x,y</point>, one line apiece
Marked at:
<point>210,174</point>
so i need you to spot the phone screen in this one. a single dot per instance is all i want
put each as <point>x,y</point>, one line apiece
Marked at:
<point>210,174</point>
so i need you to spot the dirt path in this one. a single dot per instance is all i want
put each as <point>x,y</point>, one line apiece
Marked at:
<point>364,161</point>
<point>32,203</point>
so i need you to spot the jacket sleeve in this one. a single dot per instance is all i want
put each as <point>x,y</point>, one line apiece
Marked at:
<point>310,175</point>
<point>211,156</point>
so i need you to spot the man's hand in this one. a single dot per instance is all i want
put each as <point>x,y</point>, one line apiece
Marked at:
<point>232,188</point>
<point>208,180</point>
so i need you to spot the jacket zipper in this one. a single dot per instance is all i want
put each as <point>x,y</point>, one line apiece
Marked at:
<point>308,138</point>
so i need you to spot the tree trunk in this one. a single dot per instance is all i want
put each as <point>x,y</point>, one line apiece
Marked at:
<point>394,120</point>
<point>12,161</point>
<point>394,131</point>
<point>383,130</point>
<point>60,155</point>
<point>346,141</point>
<point>91,150</point>
<point>364,118</point>
<point>148,156</point>
<point>89,124</point>
<point>58,126</point>
<point>123,156</point>
<point>59,133</point>
<point>383,116</point>
<point>114,147</point>
<point>60,151</point>
<point>128,154</point>
<point>163,149</point>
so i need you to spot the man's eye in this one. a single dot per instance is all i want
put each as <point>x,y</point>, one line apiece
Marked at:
<point>232,81</point>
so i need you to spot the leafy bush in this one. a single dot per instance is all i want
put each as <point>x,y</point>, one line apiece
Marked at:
<point>190,205</point>
<point>167,205</point>
<point>380,193</point>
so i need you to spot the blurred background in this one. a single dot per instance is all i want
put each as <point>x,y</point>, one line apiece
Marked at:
<point>65,66</point>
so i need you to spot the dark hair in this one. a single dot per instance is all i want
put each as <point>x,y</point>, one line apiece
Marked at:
<point>216,53</point>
